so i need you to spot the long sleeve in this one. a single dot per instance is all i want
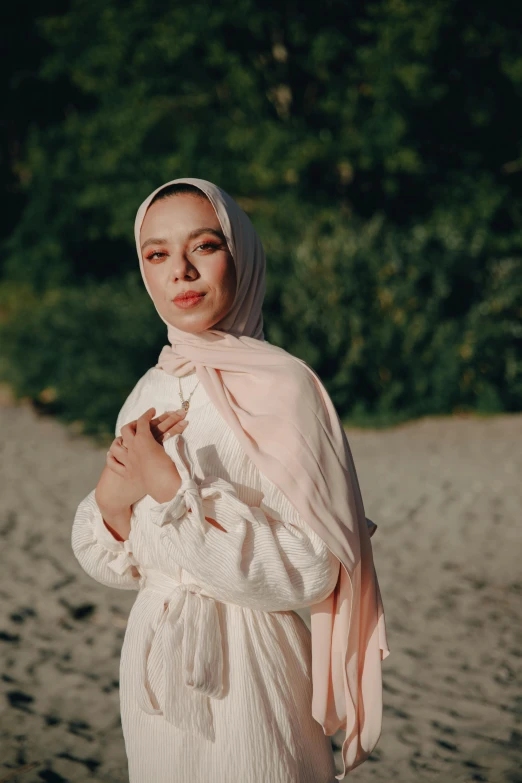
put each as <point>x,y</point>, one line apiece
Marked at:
<point>105,559</point>
<point>267,559</point>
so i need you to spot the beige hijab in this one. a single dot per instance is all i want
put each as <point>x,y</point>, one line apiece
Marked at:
<point>283,418</point>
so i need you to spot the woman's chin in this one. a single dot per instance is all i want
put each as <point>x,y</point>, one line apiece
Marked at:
<point>190,325</point>
<point>194,328</point>
<point>192,322</point>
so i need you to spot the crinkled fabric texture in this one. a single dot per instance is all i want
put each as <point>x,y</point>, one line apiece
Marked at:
<point>283,418</point>
<point>216,670</point>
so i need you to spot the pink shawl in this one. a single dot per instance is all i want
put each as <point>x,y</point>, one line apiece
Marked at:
<point>285,421</point>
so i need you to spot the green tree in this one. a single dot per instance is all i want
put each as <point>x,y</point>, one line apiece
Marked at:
<point>373,144</point>
<point>390,106</point>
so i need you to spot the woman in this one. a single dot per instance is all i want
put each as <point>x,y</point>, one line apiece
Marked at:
<point>203,511</point>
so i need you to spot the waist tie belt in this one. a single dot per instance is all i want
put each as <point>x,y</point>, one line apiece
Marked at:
<point>188,638</point>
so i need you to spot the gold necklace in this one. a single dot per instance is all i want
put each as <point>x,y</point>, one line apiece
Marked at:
<point>185,403</point>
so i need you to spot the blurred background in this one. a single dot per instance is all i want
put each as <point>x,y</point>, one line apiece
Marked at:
<point>377,148</point>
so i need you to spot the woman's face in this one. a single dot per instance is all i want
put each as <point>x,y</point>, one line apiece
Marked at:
<point>183,249</point>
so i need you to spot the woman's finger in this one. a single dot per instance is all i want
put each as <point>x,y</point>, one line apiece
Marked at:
<point>155,426</point>
<point>120,442</point>
<point>143,422</point>
<point>115,466</point>
<point>178,428</point>
<point>129,430</point>
<point>170,418</point>
<point>158,419</point>
<point>120,453</point>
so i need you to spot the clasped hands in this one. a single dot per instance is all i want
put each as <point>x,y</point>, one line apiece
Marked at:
<point>137,464</point>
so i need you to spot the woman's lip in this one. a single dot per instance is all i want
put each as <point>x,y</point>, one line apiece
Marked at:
<point>188,301</point>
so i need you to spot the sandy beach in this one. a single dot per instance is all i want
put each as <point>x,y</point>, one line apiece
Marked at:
<point>446,494</point>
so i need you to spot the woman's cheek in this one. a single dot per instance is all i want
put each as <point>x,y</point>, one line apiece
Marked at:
<point>220,269</point>
<point>156,283</point>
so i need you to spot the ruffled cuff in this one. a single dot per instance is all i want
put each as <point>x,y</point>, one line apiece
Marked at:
<point>194,500</point>
<point>190,497</point>
<point>104,536</point>
<point>186,499</point>
<point>123,549</point>
<point>125,559</point>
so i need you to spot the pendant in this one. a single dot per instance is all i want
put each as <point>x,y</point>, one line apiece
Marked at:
<point>185,404</point>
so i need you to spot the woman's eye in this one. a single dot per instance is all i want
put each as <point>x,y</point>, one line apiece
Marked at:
<point>158,255</point>
<point>207,245</point>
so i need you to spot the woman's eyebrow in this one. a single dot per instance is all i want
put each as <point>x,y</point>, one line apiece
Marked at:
<point>192,235</point>
<point>198,231</point>
<point>153,241</point>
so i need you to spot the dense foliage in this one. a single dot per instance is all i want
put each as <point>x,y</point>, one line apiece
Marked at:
<point>375,146</point>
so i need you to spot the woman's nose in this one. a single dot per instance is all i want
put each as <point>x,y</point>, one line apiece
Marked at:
<point>181,266</point>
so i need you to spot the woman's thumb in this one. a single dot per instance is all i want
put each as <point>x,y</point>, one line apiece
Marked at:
<point>143,422</point>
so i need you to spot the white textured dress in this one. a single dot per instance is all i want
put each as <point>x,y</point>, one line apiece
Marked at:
<point>215,670</point>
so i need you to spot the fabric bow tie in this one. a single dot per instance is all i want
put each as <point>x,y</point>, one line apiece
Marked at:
<point>187,648</point>
<point>124,560</point>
